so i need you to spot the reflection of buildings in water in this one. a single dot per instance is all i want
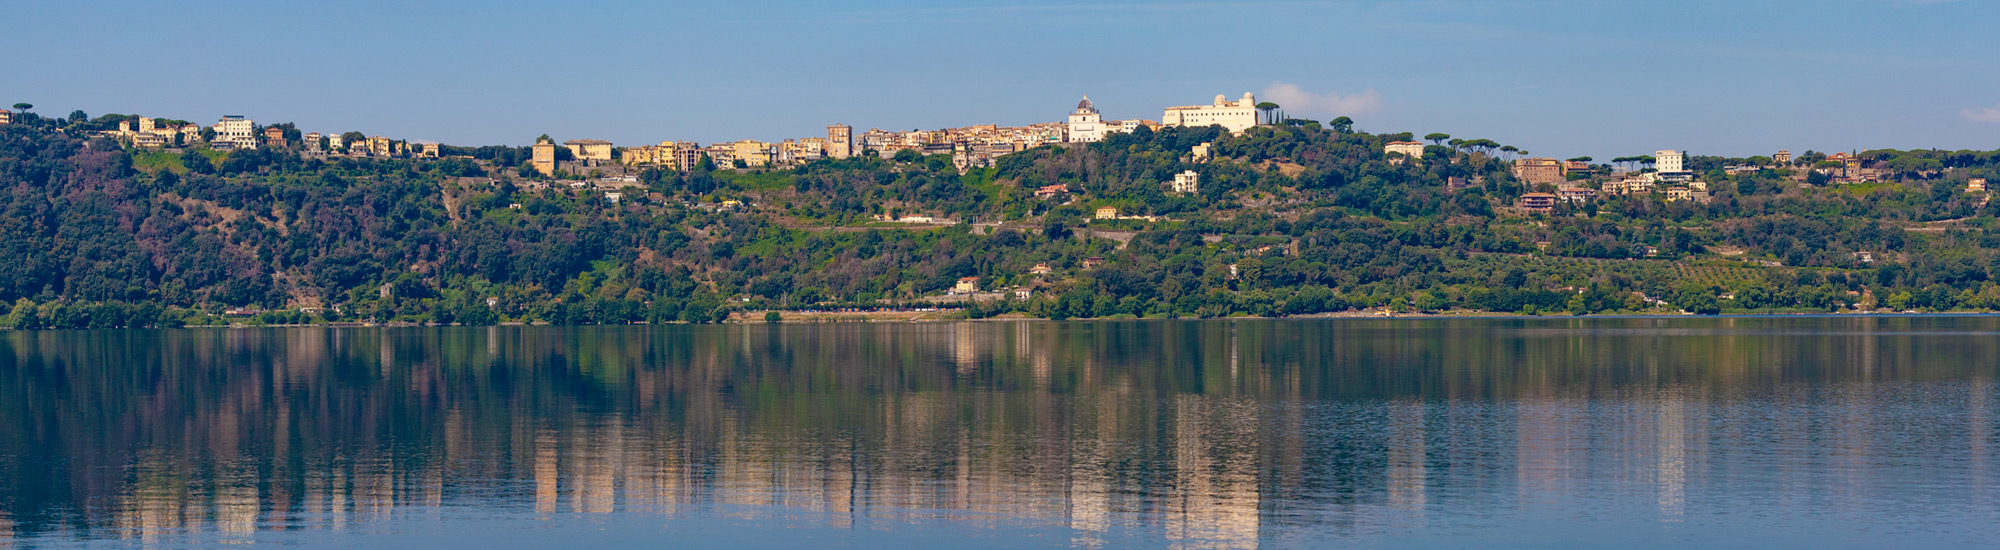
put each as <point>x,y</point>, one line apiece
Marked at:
<point>237,507</point>
<point>678,427</point>
<point>1002,454</point>
<point>1670,471</point>
<point>1216,467</point>
<point>1235,353</point>
<point>745,478</point>
<point>386,359</point>
<point>1852,444</point>
<point>965,348</point>
<point>154,506</point>
<point>1408,455</point>
<point>1977,429</point>
<point>1090,475</point>
<point>1546,449</point>
<point>599,461</point>
<point>548,476</point>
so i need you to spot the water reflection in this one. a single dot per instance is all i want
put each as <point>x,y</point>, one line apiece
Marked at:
<point>1186,434</point>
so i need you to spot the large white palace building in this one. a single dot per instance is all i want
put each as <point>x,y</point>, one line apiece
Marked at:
<point>1237,115</point>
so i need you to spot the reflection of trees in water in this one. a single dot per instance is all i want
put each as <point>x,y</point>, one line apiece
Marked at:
<point>1193,430</point>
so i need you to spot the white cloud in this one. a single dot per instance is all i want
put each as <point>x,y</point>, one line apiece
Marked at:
<point>1989,114</point>
<point>1294,99</point>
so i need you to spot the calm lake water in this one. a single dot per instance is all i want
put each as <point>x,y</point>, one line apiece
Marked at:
<point>1732,432</point>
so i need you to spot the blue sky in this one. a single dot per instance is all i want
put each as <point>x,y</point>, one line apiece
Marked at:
<point>1558,78</point>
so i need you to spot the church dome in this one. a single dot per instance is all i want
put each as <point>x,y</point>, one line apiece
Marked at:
<point>1086,106</point>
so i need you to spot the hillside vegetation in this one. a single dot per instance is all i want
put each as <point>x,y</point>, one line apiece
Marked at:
<point>1288,221</point>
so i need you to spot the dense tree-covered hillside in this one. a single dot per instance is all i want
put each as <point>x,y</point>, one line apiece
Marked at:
<point>1289,220</point>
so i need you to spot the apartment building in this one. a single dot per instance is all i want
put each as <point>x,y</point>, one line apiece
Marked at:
<point>802,150</point>
<point>678,155</point>
<point>722,154</point>
<point>840,141</point>
<point>753,153</point>
<point>234,132</point>
<point>1539,203</point>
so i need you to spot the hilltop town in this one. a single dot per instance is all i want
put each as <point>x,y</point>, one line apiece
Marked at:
<point>969,147</point>
<point>1216,209</point>
<point>1665,173</point>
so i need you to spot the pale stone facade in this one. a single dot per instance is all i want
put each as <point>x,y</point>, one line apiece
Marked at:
<point>1411,149</point>
<point>1669,162</point>
<point>1237,115</point>
<point>1187,182</point>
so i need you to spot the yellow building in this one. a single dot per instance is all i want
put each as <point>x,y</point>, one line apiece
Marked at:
<point>589,149</point>
<point>544,159</point>
<point>643,155</point>
<point>1107,213</point>
<point>752,152</point>
<point>678,155</point>
<point>840,141</point>
<point>381,146</point>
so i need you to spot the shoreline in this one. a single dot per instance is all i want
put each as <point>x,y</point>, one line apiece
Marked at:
<point>1023,319</point>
